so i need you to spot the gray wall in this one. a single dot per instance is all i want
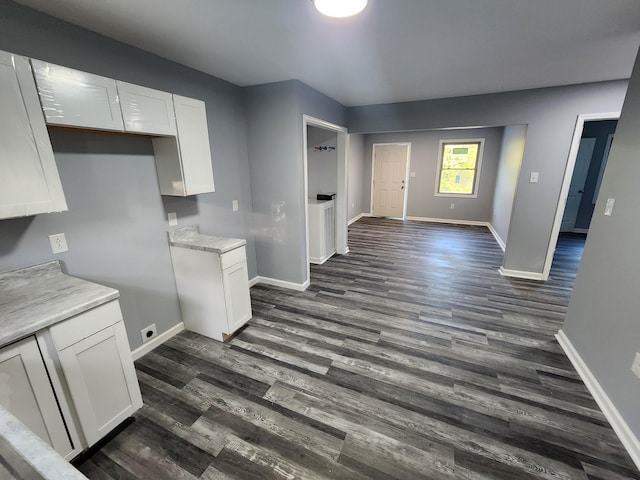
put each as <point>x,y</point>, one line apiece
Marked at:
<point>599,130</point>
<point>274,116</point>
<point>602,318</point>
<point>117,219</point>
<point>550,114</point>
<point>511,153</point>
<point>421,199</point>
<point>356,159</point>
<point>323,164</point>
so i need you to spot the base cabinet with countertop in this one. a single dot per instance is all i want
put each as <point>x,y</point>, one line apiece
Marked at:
<point>66,369</point>
<point>212,282</point>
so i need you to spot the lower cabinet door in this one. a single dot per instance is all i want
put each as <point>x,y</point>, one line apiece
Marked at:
<point>236,295</point>
<point>26,392</point>
<point>101,380</point>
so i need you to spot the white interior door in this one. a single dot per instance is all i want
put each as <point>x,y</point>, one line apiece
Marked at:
<point>576,189</point>
<point>389,179</point>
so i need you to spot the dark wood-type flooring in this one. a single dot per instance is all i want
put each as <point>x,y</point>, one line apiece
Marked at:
<point>410,357</point>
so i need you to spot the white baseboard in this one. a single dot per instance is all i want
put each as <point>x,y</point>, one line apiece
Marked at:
<point>254,281</point>
<point>300,287</point>
<point>321,260</point>
<point>620,426</point>
<point>154,342</point>
<point>521,274</point>
<point>450,221</point>
<point>358,217</point>
<point>503,246</point>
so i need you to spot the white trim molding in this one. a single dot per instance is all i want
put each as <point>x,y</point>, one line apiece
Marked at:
<point>521,274</point>
<point>358,217</point>
<point>620,426</point>
<point>493,231</point>
<point>300,287</point>
<point>155,342</point>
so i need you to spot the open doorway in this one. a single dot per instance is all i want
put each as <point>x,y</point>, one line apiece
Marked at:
<point>587,161</point>
<point>325,173</point>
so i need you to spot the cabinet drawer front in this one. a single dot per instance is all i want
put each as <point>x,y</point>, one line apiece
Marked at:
<point>85,324</point>
<point>232,257</point>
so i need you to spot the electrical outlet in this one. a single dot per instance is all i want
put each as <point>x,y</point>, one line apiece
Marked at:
<point>635,366</point>
<point>149,333</point>
<point>412,175</point>
<point>234,205</point>
<point>58,243</point>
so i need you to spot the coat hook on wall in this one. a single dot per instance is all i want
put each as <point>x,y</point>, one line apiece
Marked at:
<point>321,148</point>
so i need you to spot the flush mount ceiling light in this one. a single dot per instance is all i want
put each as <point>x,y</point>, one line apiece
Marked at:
<point>340,8</point>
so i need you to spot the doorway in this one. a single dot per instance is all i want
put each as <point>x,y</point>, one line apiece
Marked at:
<point>585,166</point>
<point>390,167</point>
<point>339,187</point>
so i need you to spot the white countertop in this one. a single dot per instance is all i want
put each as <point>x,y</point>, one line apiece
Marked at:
<point>189,237</point>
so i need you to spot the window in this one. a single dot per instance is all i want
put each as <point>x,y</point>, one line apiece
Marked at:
<point>459,167</point>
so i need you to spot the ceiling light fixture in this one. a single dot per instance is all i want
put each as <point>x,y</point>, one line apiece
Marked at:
<point>340,8</point>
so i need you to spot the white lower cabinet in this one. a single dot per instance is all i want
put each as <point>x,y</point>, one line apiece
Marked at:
<point>26,392</point>
<point>213,289</point>
<point>74,382</point>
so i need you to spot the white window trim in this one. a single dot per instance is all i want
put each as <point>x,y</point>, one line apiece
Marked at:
<point>479,165</point>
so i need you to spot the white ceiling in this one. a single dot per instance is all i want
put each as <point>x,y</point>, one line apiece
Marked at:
<point>396,50</point>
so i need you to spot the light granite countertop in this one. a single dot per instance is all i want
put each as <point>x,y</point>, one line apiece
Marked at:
<point>189,237</point>
<point>26,457</point>
<point>37,297</point>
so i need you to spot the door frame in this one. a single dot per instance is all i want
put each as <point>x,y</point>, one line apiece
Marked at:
<point>406,174</point>
<point>566,182</point>
<point>341,201</point>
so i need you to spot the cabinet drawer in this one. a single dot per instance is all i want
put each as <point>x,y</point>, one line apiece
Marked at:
<point>232,257</point>
<point>81,326</point>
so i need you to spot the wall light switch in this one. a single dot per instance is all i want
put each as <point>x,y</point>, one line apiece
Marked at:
<point>173,219</point>
<point>635,366</point>
<point>533,178</point>
<point>412,174</point>
<point>608,209</point>
<point>452,206</point>
<point>234,205</point>
<point>58,243</point>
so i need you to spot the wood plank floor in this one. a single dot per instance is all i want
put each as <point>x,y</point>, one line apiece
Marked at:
<point>410,357</point>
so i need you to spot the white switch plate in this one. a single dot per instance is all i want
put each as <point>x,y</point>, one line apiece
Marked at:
<point>608,209</point>
<point>412,174</point>
<point>234,205</point>
<point>635,366</point>
<point>58,243</point>
<point>533,178</point>
<point>452,206</point>
<point>173,219</point>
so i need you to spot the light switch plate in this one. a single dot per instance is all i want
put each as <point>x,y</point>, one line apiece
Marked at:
<point>234,205</point>
<point>58,243</point>
<point>173,219</point>
<point>412,174</point>
<point>608,209</point>
<point>533,178</point>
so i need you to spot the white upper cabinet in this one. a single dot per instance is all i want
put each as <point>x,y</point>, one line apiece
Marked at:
<point>77,99</point>
<point>29,180</point>
<point>146,110</point>
<point>184,163</point>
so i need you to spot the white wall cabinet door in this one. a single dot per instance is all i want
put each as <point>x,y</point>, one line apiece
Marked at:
<point>146,110</point>
<point>236,295</point>
<point>77,99</point>
<point>29,180</point>
<point>102,381</point>
<point>26,392</point>
<point>184,164</point>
